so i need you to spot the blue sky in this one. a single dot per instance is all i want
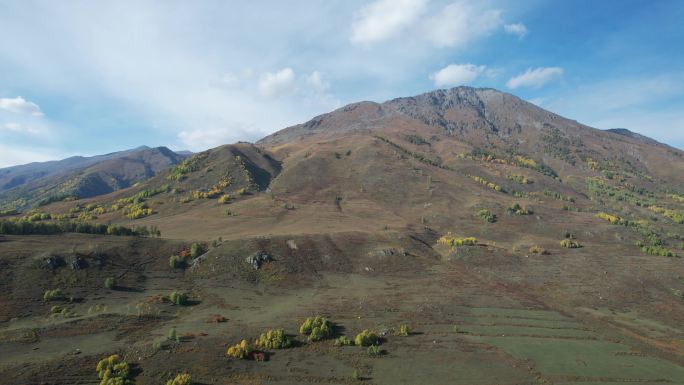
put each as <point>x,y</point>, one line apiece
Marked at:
<point>83,77</point>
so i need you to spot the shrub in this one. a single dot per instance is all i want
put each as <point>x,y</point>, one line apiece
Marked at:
<point>62,311</point>
<point>176,262</point>
<point>274,339</point>
<point>343,341</point>
<point>491,185</point>
<point>197,249</point>
<point>181,379</point>
<point>570,244</point>
<point>110,283</point>
<point>113,371</point>
<point>655,250</point>
<point>172,335</point>
<point>53,295</point>
<point>522,179</point>
<point>225,198</point>
<point>178,298</point>
<point>317,328</point>
<point>374,351</point>
<point>356,376</point>
<point>449,240</point>
<point>614,219</point>
<point>241,351</point>
<point>536,249</point>
<point>366,338</point>
<point>487,216</point>
<point>404,330</point>
<point>516,209</point>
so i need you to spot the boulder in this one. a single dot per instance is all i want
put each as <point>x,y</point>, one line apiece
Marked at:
<point>258,258</point>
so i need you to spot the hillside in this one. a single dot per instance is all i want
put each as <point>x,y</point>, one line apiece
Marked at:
<point>483,240</point>
<point>37,184</point>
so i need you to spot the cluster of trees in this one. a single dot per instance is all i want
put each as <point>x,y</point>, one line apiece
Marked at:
<point>517,209</point>
<point>570,243</point>
<point>451,241</point>
<point>676,215</point>
<point>138,210</point>
<point>274,339</point>
<point>113,370</point>
<point>241,350</point>
<point>491,185</point>
<point>487,215</point>
<point>558,196</point>
<point>655,250</point>
<point>317,328</point>
<point>521,179</point>
<point>181,379</point>
<point>22,227</point>
<point>187,166</point>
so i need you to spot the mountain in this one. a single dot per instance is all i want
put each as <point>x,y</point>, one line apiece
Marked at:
<point>484,239</point>
<point>433,160</point>
<point>81,177</point>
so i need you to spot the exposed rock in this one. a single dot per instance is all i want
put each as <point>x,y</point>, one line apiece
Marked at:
<point>258,258</point>
<point>78,264</point>
<point>51,262</point>
<point>291,244</point>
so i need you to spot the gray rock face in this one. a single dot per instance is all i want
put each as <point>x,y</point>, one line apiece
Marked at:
<point>258,258</point>
<point>78,264</point>
<point>51,262</point>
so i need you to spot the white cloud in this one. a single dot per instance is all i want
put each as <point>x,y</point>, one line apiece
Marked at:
<point>11,155</point>
<point>536,77</point>
<point>383,19</point>
<point>517,29</point>
<point>460,23</point>
<point>316,82</point>
<point>20,105</point>
<point>278,83</point>
<point>200,139</point>
<point>457,74</point>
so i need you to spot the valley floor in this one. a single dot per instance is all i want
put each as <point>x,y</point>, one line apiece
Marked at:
<point>474,319</point>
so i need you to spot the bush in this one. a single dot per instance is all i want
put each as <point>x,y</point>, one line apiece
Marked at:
<point>655,250</point>
<point>374,351</point>
<point>241,351</point>
<point>181,379</point>
<point>53,295</point>
<point>366,338</point>
<point>516,209</point>
<point>113,371</point>
<point>570,244</point>
<point>404,330</point>
<point>178,298</point>
<point>356,376</point>
<point>522,179</point>
<point>176,262</point>
<point>225,198</point>
<point>274,339</point>
<point>487,216</point>
<point>343,341</point>
<point>317,328</point>
<point>172,335</point>
<point>538,250</point>
<point>110,283</point>
<point>449,240</point>
<point>197,249</point>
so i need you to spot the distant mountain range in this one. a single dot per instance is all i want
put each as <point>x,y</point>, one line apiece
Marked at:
<point>77,177</point>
